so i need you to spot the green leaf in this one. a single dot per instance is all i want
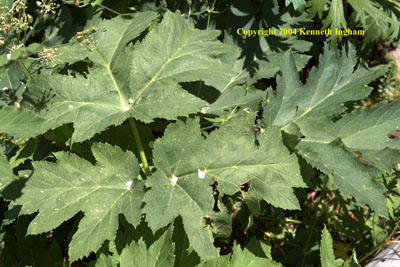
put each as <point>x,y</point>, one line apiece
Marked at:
<point>246,257</point>
<point>296,3</point>
<point>106,256</point>
<point>366,8</point>
<point>330,85</point>
<point>60,190</point>
<point>24,153</point>
<point>187,165</point>
<point>335,16</point>
<point>317,7</point>
<point>19,122</point>
<point>351,175</point>
<point>6,174</point>
<point>138,81</point>
<point>358,128</point>
<point>158,254</point>
<point>378,18</point>
<point>185,255</point>
<point>384,159</point>
<point>326,252</point>
<point>242,258</point>
<point>222,261</point>
<point>19,54</point>
<point>12,83</point>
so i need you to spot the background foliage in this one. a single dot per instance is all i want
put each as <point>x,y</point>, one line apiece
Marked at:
<point>149,133</point>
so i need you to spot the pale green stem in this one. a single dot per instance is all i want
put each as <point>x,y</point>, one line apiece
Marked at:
<point>24,69</point>
<point>190,9</point>
<point>140,147</point>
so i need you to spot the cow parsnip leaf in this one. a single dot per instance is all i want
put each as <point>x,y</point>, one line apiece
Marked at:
<point>235,90</point>
<point>359,128</point>
<point>60,190</point>
<point>247,258</point>
<point>158,254</point>
<point>185,255</point>
<point>6,174</point>
<point>19,122</point>
<point>138,81</point>
<point>326,251</point>
<point>329,85</point>
<point>352,176</point>
<point>187,165</point>
<point>12,82</point>
<point>222,261</point>
<point>106,256</point>
<point>384,159</point>
<point>311,108</point>
<point>327,255</point>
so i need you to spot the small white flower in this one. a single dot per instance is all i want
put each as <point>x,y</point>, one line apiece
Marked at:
<point>4,88</point>
<point>8,56</point>
<point>129,184</point>
<point>130,101</point>
<point>70,107</point>
<point>174,180</point>
<point>201,174</point>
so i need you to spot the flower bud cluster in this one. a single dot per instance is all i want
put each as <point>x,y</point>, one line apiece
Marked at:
<point>14,20</point>
<point>48,7</point>
<point>16,47</point>
<point>48,55</point>
<point>85,38</point>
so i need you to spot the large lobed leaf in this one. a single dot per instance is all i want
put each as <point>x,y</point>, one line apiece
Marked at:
<point>138,81</point>
<point>357,129</point>
<point>334,82</point>
<point>351,176</point>
<point>308,110</point>
<point>60,190</point>
<point>187,166</point>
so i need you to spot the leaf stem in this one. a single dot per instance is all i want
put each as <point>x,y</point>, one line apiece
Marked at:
<point>308,241</point>
<point>24,69</point>
<point>140,147</point>
<point>37,21</point>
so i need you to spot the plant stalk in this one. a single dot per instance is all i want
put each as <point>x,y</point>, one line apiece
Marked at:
<point>24,69</point>
<point>140,147</point>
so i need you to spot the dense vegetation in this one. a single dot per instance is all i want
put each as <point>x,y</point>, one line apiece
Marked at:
<point>157,133</point>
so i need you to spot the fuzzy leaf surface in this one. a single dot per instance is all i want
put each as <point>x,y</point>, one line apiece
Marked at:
<point>351,175</point>
<point>60,190</point>
<point>357,129</point>
<point>329,85</point>
<point>230,157</point>
<point>138,81</point>
<point>19,122</point>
